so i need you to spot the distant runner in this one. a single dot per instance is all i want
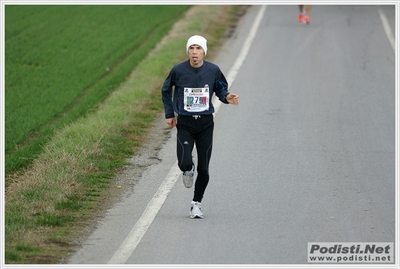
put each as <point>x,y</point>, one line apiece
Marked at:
<point>304,15</point>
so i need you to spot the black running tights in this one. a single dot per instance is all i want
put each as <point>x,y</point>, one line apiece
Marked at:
<point>191,130</point>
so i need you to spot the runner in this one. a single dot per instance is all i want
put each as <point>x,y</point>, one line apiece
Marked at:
<point>304,15</point>
<point>187,92</point>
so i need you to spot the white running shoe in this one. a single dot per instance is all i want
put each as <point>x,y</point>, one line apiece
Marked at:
<point>188,177</point>
<point>195,210</point>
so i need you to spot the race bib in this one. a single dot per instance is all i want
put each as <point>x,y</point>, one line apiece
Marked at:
<point>196,99</point>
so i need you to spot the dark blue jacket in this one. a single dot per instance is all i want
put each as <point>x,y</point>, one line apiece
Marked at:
<point>184,75</point>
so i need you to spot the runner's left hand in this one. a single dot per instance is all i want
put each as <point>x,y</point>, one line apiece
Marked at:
<point>233,99</point>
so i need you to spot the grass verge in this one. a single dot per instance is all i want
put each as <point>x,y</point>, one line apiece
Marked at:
<point>48,206</point>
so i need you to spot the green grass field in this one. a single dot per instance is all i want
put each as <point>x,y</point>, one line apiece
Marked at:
<point>63,60</point>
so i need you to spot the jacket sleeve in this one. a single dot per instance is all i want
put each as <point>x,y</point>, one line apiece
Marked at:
<point>221,87</point>
<point>167,96</point>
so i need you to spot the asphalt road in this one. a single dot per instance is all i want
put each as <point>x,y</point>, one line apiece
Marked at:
<point>307,156</point>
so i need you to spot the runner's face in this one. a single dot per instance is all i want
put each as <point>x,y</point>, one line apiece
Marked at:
<point>196,55</point>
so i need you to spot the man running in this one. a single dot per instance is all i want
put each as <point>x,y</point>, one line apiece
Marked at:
<point>187,92</point>
<point>304,15</point>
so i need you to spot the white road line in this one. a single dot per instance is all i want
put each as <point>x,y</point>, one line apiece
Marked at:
<point>139,230</point>
<point>136,234</point>
<point>387,28</point>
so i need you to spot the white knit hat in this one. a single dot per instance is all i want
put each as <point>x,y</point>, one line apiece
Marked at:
<point>197,40</point>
